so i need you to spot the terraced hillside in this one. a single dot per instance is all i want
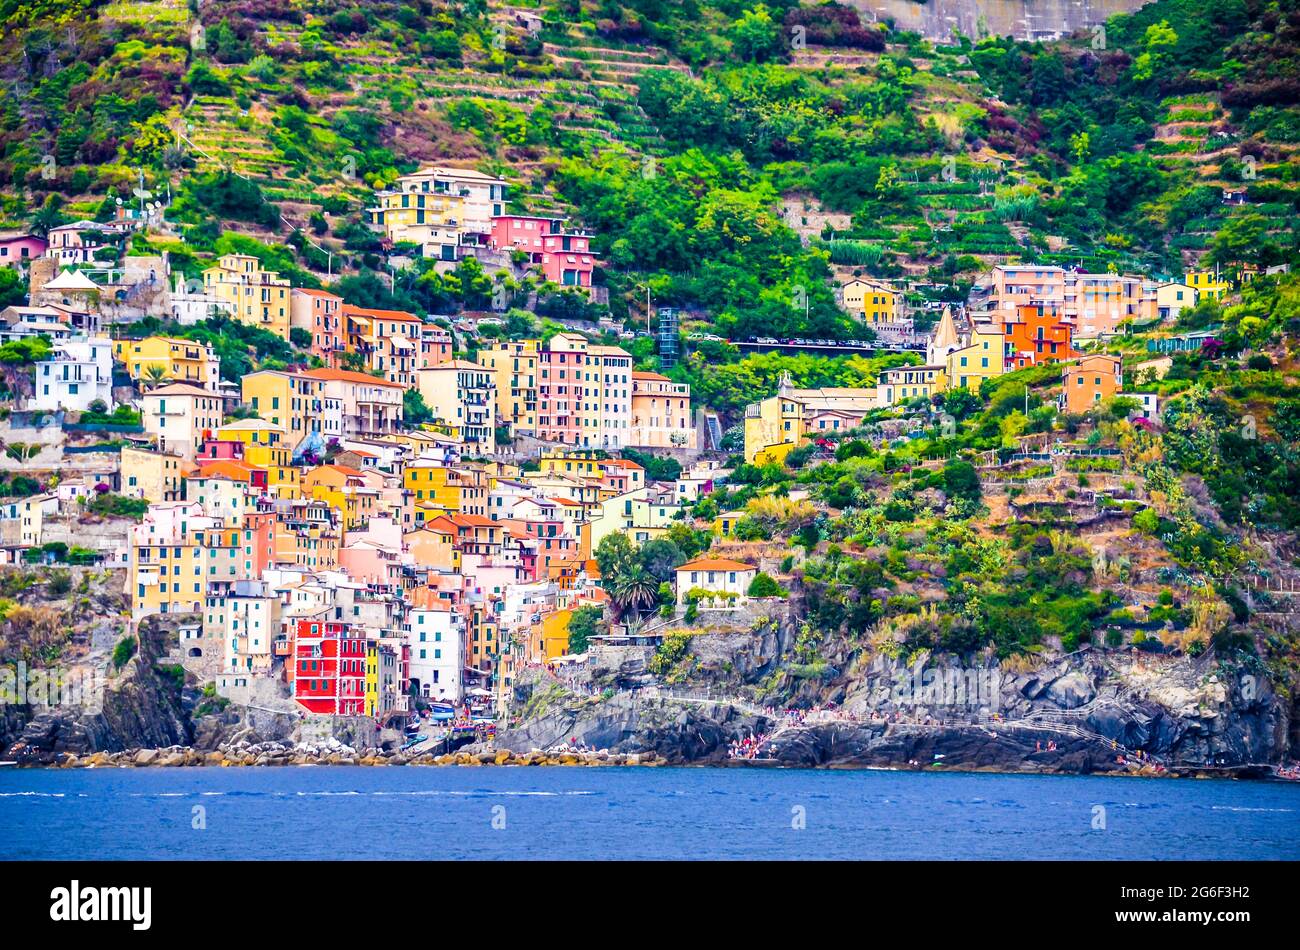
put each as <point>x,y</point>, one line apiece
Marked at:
<point>839,145</point>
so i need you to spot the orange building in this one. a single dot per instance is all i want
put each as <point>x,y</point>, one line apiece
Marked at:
<point>1037,334</point>
<point>1089,382</point>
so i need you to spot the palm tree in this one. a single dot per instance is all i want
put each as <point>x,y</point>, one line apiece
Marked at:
<point>155,374</point>
<point>634,593</point>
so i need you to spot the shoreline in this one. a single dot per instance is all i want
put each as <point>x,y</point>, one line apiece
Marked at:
<point>285,757</point>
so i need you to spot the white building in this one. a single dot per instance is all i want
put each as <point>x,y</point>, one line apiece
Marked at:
<point>250,622</point>
<point>725,582</point>
<point>436,638</point>
<point>79,372</point>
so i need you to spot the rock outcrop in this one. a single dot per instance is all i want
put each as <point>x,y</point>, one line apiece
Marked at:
<point>1091,711</point>
<point>140,706</point>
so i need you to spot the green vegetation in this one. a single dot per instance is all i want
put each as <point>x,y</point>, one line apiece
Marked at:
<point>122,653</point>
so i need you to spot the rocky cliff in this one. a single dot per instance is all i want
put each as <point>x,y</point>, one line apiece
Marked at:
<point>1090,711</point>
<point>138,706</point>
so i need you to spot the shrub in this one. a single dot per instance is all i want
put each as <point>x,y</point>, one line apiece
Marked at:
<point>123,652</point>
<point>764,585</point>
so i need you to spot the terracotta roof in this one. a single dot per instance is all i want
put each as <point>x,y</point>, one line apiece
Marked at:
<point>471,521</point>
<point>346,470</point>
<point>716,564</point>
<point>352,311</point>
<point>348,376</point>
<point>656,376</point>
<point>228,468</point>
<point>181,389</point>
<point>315,293</point>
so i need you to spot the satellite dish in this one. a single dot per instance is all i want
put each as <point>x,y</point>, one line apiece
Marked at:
<point>142,193</point>
<point>119,200</point>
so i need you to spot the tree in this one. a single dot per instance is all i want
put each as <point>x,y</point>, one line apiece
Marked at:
<point>1159,41</point>
<point>960,480</point>
<point>414,409</point>
<point>660,557</point>
<point>764,585</point>
<point>13,290</point>
<point>583,625</point>
<point>755,35</point>
<point>155,375</point>
<point>616,557</point>
<point>635,593</point>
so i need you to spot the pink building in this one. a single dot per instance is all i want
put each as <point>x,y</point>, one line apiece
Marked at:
<point>18,248</point>
<point>563,257</point>
<point>319,312</point>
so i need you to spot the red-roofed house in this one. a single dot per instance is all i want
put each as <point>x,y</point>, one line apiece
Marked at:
<point>726,581</point>
<point>358,404</point>
<point>388,341</point>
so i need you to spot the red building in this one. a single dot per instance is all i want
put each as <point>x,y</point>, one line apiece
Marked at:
<point>1038,334</point>
<point>329,668</point>
<point>563,257</point>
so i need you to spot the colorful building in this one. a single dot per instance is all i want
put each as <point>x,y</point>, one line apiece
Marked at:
<point>361,405</point>
<point>872,302</point>
<point>1207,284</point>
<point>514,365</point>
<point>584,393</point>
<point>160,359</point>
<point>320,313</point>
<point>462,398</point>
<point>329,667</point>
<point>1037,334</point>
<point>562,257</point>
<point>1089,382</point>
<point>181,417</point>
<point>256,297</point>
<point>661,413</point>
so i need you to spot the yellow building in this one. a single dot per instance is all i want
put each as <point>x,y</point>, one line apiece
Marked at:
<point>256,297</point>
<point>1207,284</point>
<point>514,364</point>
<point>291,401</point>
<point>725,524</point>
<point>872,302</point>
<point>372,678</point>
<point>774,426</point>
<point>175,554</point>
<point>161,359</point>
<point>550,638</point>
<point>429,219</point>
<point>153,476</point>
<point>343,489</point>
<point>436,489</point>
<point>1173,298</point>
<point>265,448</point>
<point>905,383</point>
<point>983,357</point>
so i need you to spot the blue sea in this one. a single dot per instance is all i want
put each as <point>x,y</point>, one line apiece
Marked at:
<point>633,813</point>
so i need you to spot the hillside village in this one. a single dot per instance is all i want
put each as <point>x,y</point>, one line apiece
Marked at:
<point>461,452</point>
